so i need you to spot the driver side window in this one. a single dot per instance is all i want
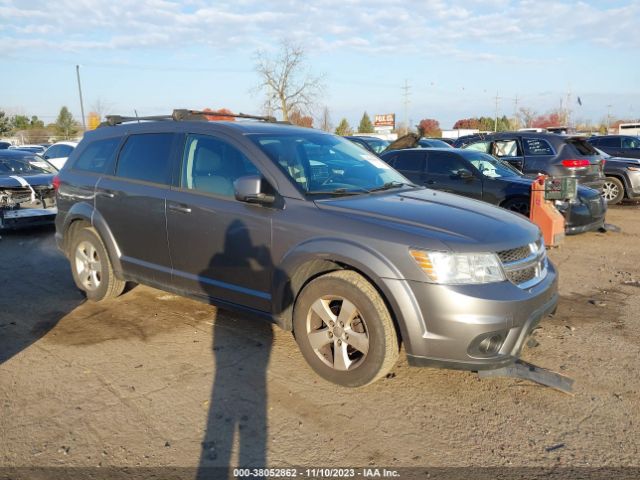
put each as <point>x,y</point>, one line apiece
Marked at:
<point>505,148</point>
<point>211,165</point>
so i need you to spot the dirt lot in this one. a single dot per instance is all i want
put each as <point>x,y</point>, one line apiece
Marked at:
<point>151,379</point>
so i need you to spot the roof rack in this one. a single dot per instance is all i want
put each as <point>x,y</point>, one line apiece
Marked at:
<point>183,114</point>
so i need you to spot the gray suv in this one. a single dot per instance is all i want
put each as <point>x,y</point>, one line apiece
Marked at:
<point>306,230</point>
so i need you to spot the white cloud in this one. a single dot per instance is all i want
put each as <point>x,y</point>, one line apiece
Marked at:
<point>367,26</point>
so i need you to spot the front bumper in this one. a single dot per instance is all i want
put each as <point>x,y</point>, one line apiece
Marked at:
<point>586,216</point>
<point>453,318</point>
<point>26,217</point>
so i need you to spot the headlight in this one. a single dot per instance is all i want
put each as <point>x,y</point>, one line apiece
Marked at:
<point>459,268</point>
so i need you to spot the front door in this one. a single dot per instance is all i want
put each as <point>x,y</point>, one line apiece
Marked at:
<point>220,247</point>
<point>444,173</point>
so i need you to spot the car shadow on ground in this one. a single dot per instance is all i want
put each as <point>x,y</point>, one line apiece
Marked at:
<point>36,288</point>
<point>236,434</point>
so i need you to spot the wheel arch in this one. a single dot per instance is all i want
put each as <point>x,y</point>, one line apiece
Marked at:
<point>84,214</point>
<point>622,179</point>
<point>313,259</point>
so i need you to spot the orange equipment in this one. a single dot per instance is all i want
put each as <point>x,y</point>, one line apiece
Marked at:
<point>544,214</point>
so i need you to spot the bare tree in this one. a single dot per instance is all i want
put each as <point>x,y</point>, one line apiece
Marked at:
<point>286,82</point>
<point>526,116</point>
<point>101,108</point>
<point>325,120</point>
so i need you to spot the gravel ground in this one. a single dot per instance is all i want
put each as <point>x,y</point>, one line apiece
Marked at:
<point>154,380</point>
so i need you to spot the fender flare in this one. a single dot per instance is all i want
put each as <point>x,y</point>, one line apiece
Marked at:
<point>85,211</point>
<point>317,256</point>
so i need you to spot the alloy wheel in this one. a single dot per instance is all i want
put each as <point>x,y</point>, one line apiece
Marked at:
<point>337,333</point>
<point>88,265</point>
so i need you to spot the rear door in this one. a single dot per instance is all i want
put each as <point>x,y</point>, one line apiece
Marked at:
<point>411,163</point>
<point>538,154</point>
<point>443,173</point>
<point>131,200</point>
<point>220,247</point>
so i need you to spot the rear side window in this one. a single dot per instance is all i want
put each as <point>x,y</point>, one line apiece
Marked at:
<point>409,163</point>
<point>536,146</point>
<point>97,155</point>
<point>59,151</point>
<point>582,146</point>
<point>609,142</point>
<point>146,157</point>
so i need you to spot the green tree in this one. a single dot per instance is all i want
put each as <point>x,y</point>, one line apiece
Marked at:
<point>365,124</point>
<point>65,127</point>
<point>20,122</point>
<point>35,122</point>
<point>344,128</point>
<point>5,124</point>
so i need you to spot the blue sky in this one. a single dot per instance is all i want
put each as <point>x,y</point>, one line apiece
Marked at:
<point>154,55</point>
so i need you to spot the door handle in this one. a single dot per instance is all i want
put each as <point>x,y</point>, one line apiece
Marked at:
<point>105,193</point>
<point>179,208</point>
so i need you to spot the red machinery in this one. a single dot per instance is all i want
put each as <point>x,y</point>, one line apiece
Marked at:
<point>543,212</point>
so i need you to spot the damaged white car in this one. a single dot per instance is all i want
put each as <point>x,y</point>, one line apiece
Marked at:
<point>27,194</point>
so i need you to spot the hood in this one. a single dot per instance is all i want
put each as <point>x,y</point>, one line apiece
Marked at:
<point>35,179</point>
<point>460,223</point>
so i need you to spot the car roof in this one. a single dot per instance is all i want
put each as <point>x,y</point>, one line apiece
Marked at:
<point>184,126</point>
<point>71,144</point>
<point>15,154</point>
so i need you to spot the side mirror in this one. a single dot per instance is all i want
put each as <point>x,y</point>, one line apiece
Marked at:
<point>465,174</point>
<point>249,189</point>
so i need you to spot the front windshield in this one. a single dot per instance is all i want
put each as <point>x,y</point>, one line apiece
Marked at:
<point>491,167</point>
<point>319,163</point>
<point>10,166</point>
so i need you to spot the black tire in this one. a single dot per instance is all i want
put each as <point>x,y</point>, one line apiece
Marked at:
<point>91,267</point>
<point>612,190</point>
<point>368,326</point>
<point>521,205</point>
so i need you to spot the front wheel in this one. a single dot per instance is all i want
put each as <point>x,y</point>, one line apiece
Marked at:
<point>612,190</point>
<point>521,205</point>
<point>91,268</point>
<point>344,329</point>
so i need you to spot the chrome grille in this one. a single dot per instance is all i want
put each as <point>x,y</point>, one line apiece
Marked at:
<point>525,266</point>
<point>515,254</point>
<point>521,276</point>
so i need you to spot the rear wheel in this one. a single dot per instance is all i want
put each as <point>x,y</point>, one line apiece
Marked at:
<point>612,190</point>
<point>91,268</point>
<point>520,205</point>
<point>344,329</point>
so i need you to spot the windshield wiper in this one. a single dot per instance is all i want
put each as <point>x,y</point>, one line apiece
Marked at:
<point>390,185</point>
<point>338,192</point>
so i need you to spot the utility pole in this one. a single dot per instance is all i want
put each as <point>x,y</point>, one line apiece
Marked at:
<point>406,91</point>
<point>516,122</point>
<point>84,123</point>
<point>608,117</point>
<point>567,115</point>
<point>495,125</point>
